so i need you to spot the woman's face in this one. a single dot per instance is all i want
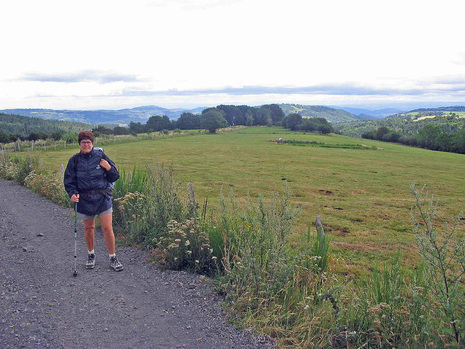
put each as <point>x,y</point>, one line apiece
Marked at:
<point>85,145</point>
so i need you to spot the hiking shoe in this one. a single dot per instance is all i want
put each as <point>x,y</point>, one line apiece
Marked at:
<point>90,264</point>
<point>115,264</point>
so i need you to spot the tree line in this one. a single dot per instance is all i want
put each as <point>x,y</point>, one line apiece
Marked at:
<point>429,136</point>
<point>210,119</point>
<point>405,124</point>
<point>14,127</point>
<point>230,115</point>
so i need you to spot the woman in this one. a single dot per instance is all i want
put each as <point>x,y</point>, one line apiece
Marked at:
<point>88,180</point>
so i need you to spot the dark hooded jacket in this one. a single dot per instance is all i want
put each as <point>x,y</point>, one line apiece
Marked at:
<point>85,176</point>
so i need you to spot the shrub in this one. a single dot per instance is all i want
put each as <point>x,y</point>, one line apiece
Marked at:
<point>186,247</point>
<point>144,215</point>
<point>390,308</point>
<point>6,166</point>
<point>444,256</point>
<point>24,167</point>
<point>255,255</point>
<point>49,186</point>
<point>282,291</point>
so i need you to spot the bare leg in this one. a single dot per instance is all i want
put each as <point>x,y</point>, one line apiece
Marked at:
<point>89,227</point>
<point>106,222</point>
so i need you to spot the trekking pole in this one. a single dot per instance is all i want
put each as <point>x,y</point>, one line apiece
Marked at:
<point>75,239</point>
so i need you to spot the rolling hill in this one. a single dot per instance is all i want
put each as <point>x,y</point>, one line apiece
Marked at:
<point>24,125</point>
<point>317,111</point>
<point>122,116</point>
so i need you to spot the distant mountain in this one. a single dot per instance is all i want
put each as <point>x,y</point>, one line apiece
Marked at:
<point>372,114</point>
<point>439,110</point>
<point>333,115</point>
<point>421,113</point>
<point>448,119</point>
<point>122,116</point>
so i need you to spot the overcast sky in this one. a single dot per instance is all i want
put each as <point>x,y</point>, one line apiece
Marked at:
<point>113,54</point>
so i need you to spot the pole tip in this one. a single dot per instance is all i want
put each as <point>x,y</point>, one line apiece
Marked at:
<point>75,273</point>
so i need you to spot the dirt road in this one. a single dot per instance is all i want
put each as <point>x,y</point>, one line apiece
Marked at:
<point>43,306</point>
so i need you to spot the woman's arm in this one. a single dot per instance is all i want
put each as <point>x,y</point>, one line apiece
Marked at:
<point>70,180</point>
<point>112,173</point>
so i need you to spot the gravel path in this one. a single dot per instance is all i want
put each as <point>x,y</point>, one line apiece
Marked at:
<point>43,306</point>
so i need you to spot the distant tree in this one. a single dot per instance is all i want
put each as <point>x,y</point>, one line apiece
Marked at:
<point>458,142</point>
<point>292,121</point>
<point>369,135</point>
<point>158,123</point>
<point>409,140</point>
<point>392,137</point>
<point>120,130</point>
<point>276,113</point>
<point>249,117</point>
<point>315,125</point>
<point>308,125</point>
<point>325,129</point>
<point>246,113</point>
<point>381,132</point>
<point>428,136</point>
<point>34,136</point>
<point>206,110</point>
<point>70,137</point>
<point>101,130</point>
<point>232,114</point>
<point>56,136</point>
<point>212,120</point>
<point>188,121</point>
<point>136,127</point>
<point>261,116</point>
<point>445,141</point>
<point>4,138</point>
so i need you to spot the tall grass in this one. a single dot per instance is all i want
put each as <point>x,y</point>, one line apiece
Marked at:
<point>255,254</point>
<point>27,171</point>
<point>444,255</point>
<point>146,203</point>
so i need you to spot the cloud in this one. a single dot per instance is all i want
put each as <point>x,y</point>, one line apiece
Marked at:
<point>460,59</point>
<point>193,4</point>
<point>82,76</point>
<point>323,89</point>
<point>452,82</point>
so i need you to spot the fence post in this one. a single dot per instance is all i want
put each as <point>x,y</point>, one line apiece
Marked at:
<point>192,195</point>
<point>62,173</point>
<point>32,145</point>
<point>319,228</point>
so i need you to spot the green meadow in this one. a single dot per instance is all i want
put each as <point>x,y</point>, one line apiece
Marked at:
<point>362,195</point>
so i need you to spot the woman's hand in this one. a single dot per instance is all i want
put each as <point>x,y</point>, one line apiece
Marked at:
<point>75,198</point>
<point>105,164</point>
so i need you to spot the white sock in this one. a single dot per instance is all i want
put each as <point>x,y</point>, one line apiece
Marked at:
<point>91,252</point>
<point>112,255</point>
